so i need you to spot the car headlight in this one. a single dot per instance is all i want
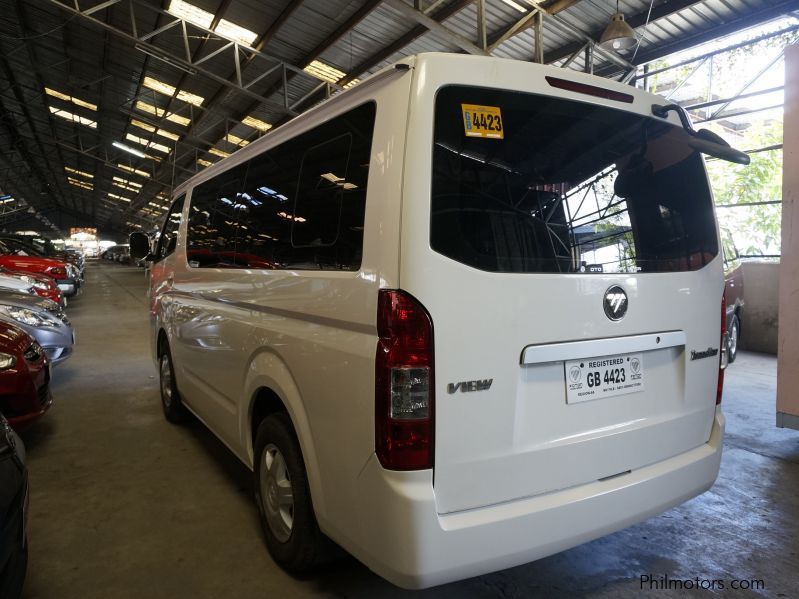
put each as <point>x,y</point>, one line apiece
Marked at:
<point>7,361</point>
<point>28,317</point>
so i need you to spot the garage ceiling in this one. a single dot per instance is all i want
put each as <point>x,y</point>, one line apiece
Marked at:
<point>184,84</point>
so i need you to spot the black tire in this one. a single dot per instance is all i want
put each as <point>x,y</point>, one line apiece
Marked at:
<point>735,338</point>
<point>174,410</point>
<point>300,547</point>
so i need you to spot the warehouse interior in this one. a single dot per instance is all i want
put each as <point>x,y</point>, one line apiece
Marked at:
<point>107,107</point>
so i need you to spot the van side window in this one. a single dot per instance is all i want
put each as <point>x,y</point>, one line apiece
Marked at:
<point>211,239</point>
<point>169,234</point>
<point>304,201</point>
<point>317,208</point>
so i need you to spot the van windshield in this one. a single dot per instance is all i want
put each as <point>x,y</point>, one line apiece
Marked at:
<point>530,184</point>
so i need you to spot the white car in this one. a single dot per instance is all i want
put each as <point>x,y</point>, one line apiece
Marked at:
<point>20,284</point>
<point>462,316</point>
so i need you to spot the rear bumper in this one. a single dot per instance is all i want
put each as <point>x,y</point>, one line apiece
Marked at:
<point>406,541</point>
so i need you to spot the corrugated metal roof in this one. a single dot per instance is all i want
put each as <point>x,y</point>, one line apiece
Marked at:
<point>42,43</point>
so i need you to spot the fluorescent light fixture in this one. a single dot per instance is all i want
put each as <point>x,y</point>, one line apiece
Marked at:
<point>297,219</point>
<point>125,187</point>
<point>255,123</point>
<point>149,128</point>
<point>236,140</point>
<point>218,152</point>
<point>126,181</point>
<point>75,171</point>
<point>169,90</point>
<point>202,18</point>
<point>68,98</point>
<point>128,149</point>
<point>79,183</point>
<point>205,163</point>
<point>161,113</point>
<point>75,118</point>
<point>324,72</point>
<point>167,134</point>
<point>135,171</point>
<point>141,125</point>
<point>147,144</point>
<point>118,197</point>
<point>338,181</point>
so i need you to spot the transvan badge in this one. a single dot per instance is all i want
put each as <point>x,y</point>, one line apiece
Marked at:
<point>615,303</point>
<point>467,386</point>
<point>708,353</point>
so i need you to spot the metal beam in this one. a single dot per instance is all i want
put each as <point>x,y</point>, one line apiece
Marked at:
<point>145,40</point>
<point>435,27</point>
<point>482,40</point>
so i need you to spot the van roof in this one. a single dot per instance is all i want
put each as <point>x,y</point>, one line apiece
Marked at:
<point>642,100</point>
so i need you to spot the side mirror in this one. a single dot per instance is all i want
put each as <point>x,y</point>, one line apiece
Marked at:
<point>140,246</point>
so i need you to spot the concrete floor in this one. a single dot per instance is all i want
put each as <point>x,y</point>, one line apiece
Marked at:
<point>124,505</point>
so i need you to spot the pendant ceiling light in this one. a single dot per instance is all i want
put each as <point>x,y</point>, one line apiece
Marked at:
<point>618,35</point>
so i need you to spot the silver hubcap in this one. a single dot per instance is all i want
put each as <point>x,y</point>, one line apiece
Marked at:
<point>276,495</point>
<point>734,337</point>
<point>166,381</point>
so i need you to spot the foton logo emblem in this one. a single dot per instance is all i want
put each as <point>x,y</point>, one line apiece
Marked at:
<point>467,386</point>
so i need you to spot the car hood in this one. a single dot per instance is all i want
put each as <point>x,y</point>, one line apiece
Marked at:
<point>13,340</point>
<point>13,261</point>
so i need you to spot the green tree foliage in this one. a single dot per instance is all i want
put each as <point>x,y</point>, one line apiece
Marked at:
<point>756,229</point>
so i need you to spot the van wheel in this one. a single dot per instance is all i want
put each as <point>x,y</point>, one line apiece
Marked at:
<point>174,410</point>
<point>283,498</point>
<point>735,333</point>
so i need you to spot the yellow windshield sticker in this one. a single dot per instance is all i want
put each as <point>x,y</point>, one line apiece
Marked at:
<point>482,121</point>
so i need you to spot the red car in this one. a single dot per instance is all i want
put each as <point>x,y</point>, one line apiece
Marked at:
<point>55,269</point>
<point>44,286</point>
<point>24,377</point>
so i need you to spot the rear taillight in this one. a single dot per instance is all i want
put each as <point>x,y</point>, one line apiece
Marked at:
<point>404,397</point>
<point>723,355</point>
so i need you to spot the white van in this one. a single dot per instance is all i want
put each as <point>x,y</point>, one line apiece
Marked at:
<point>460,317</point>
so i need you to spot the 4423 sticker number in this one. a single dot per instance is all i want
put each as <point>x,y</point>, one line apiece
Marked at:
<point>482,121</point>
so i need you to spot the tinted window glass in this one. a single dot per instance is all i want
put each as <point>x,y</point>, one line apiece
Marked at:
<point>169,234</point>
<point>569,187</point>
<point>317,208</point>
<point>304,201</point>
<point>213,221</point>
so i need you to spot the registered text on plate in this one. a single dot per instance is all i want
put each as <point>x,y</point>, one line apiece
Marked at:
<point>605,376</point>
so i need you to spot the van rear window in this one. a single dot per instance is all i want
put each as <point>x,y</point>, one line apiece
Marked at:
<point>551,185</point>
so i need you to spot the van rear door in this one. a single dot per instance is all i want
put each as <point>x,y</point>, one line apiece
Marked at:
<point>568,257</point>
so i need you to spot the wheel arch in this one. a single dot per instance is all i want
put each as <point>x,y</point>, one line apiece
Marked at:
<point>271,389</point>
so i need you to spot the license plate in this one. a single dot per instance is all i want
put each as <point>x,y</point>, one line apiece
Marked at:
<point>605,376</point>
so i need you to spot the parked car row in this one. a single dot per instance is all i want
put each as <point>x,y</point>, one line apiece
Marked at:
<point>13,512</point>
<point>35,336</point>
